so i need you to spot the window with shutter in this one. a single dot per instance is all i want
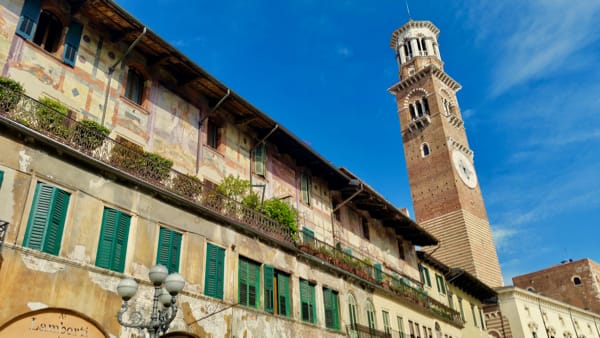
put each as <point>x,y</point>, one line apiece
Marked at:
<point>260,159</point>
<point>43,25</point>
<point>47,219</point>
<point>305,185</point>
<point>371,316</point>
<point>1,177</point>
<point>308,236</point>
<point>249,282</point>
<point>112,246</point>
<point>72,43</point>
<point>330,304</point>
<point>307,301</point>
<point>283,294</point>
<point>269,278</point>
<point>378,272</point>
<point>215,269</point>
<point>169,246</point>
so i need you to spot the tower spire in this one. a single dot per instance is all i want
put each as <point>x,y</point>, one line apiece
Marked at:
<point>407,10</point>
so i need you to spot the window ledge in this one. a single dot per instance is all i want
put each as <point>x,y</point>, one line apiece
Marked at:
<point>213,150</point>
<point>134,105</point>
<point>56,55</point>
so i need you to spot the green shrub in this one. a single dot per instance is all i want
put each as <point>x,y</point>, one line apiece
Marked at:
<point>281,212</point>
<point>51,116</point>
<point>234,187</point>
<point>10,93</point>
<point>90,134</point>
<point>131,157</point>
<point>251,201</point>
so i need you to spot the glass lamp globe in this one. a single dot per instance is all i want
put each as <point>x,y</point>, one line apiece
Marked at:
<point>157,274</point>
<point>174,283</point>
<point>165,298</point>
<point>127,288</point>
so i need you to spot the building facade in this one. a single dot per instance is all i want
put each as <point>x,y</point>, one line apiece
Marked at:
<point>81,210</point>
<point>446,195</point>
<point>522,313</point>
<point>572,282</point>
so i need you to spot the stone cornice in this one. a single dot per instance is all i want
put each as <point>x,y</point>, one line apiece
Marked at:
<point>412,24</point>
<point>429,70</point>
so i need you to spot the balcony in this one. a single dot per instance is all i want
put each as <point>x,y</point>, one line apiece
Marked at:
<point>393,284</point>
<point>124,160</point>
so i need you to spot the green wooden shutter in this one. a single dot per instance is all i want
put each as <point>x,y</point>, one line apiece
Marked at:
<point>47,219</point>
<point>253,284</point>
<point>348,251</point>
<point>260,159</point>
<point>112,246</point>
<point>107,238</point>
<point>72,43</point>
<point>169,244</point>
<point>304,300</point>
<point>120,250</point>
<point>243,282</point>
<point>1,177</point>
<point>269,274</point>
<point>29,17</point>
<point>308,236</point>
<point>313,307</point>
<point>378,272</point>
<point>215,266</point>
<point>330,303</point>
<point>283,291</point>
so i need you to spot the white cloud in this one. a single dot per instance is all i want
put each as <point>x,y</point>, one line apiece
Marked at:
<point>503,236</point>
<point>536,39</point>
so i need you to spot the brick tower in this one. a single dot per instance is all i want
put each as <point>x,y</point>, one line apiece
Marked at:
<point>446,196</point>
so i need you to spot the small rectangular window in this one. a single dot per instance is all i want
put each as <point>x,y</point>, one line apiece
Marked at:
<point>277,291</point>
<point>462,311</point>
<point>248,282</point>
<point>212,134</point>
<point>260,158</point>
<point>1,177</point>
<point>401,254</point>
<point>474,313</point>
<point>386,322</point>
<point>307,302</point>
<point>112,246</point>
<point>365,229</point>
<point>378,272</point>
<point>305,185</point>
<point>134,87</point>
<point>47,219</point>
<point>439,281</point>
<point>425,275</point>
<point>330,304</point>
<point>169,246</point>
<point>400,326</point>
<point>215,270</point>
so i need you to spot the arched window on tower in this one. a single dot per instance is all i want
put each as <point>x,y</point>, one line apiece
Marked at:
<point>411,108</point>
<point>425,151</point>
<point>419,109</point>
<point>425,105</point>
<point>424,46</point>
<point>408,49</point>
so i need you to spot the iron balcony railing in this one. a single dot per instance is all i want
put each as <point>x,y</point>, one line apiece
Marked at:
<point>125,157</point>
<point>363,331</point>
<point>394,283</point>
<point>3,231</point>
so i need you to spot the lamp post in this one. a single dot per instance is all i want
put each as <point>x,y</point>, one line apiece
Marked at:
<point>161,316</point>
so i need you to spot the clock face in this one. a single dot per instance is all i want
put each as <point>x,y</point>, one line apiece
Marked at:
<point>465,169</point>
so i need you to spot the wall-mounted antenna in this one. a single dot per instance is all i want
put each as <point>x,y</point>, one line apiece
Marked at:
<point>407,10</point>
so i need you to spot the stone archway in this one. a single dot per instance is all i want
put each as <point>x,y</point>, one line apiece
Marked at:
<point>51,323</point>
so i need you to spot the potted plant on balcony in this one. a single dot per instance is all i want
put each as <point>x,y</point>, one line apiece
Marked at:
<point>283,213</point>
<point>89,134</point>
<point>51,116</point>
<point>10,93</point>
<point>187,185</point>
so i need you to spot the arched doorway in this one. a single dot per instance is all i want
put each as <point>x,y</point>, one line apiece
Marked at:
<point>52,322</point>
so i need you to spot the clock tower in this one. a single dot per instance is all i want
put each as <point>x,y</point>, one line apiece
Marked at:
<point>445,192</point>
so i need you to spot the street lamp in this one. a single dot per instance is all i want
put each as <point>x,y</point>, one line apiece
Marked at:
<point>159,318</point>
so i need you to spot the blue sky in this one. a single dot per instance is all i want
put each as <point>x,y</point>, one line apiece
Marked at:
<point>530,97</point>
